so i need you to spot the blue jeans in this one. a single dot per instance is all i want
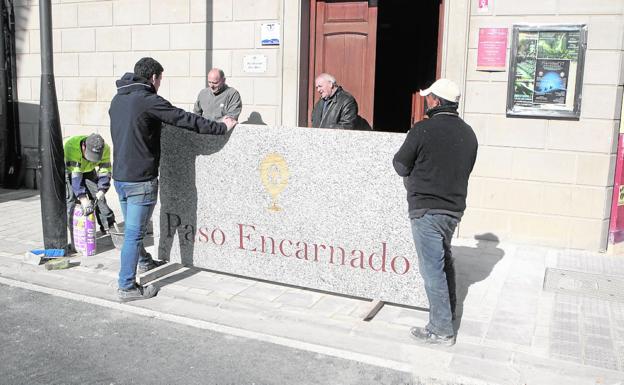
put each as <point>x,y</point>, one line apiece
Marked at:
<point>432,237</point>
<point>137,204</point>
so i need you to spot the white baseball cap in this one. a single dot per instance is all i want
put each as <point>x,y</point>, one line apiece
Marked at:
<point>444,88</point>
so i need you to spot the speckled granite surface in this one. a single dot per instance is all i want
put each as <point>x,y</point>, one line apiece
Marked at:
<point>336,193</point>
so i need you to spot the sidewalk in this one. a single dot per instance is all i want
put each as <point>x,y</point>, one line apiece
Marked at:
<point>529,315</point>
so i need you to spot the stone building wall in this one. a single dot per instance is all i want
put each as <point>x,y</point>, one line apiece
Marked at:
<point>537,181</point>
<point>542,181</point>
<point>96,42</point>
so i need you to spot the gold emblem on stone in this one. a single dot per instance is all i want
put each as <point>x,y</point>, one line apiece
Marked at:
<point>274,175</point>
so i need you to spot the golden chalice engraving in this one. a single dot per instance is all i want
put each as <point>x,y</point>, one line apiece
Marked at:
<point>274,175</point>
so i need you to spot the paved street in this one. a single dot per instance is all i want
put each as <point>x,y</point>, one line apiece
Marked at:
<point>50,340</point>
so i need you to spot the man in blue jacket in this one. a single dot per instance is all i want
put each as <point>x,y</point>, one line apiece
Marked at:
<point>137,113</point>
<point>436,160</point>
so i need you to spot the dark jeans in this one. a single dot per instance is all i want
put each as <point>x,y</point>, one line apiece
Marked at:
<point>104,215</point>
<point>432,237</point>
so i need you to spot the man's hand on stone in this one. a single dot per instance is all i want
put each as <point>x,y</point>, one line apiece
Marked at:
<point>229,122</point>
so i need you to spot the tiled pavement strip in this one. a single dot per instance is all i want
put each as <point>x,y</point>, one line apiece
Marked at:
<point>511,331</point>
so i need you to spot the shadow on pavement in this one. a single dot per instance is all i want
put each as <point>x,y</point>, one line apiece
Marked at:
<point>175,277</point>
<point>7,195</point>
<point>473,265</point>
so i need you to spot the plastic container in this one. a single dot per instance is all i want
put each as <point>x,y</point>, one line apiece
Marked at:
<point>84,232</point>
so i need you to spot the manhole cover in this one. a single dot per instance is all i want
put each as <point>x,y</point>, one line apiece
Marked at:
<point>590,285</point>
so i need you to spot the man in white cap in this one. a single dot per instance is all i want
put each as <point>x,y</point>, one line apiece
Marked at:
<point>436,160</point>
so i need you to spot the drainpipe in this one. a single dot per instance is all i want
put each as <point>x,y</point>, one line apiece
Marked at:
<point>13,173</point>
<point>4,103</point>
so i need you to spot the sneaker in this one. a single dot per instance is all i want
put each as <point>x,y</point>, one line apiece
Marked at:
<point>152,264</point>
<point>137,292</point>
<point>424,336</point>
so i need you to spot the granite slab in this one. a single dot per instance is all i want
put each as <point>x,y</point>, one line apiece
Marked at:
<point>317,208</point>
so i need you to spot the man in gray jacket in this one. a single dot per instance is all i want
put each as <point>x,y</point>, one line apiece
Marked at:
<point>218,100</point>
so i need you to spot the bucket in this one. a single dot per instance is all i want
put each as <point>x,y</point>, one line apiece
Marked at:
<point>118,238</point>
<point>117,235</point>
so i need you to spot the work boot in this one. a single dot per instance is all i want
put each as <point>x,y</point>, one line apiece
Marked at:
<point>424,336</point>
<point>147,266</point>
<point>137,292</point>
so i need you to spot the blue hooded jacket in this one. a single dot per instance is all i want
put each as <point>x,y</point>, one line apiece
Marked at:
<point>136,115</point>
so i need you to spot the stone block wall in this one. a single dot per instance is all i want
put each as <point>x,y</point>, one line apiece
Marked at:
<point>542,181</point>
<point>538,181</point>
<point>96,41</point>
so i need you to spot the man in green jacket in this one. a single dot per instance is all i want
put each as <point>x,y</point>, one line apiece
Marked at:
<point>88,176</point>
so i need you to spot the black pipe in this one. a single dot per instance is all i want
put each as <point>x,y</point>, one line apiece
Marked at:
<point>4,93</point>
<point>14,171</point>
<point>52,167</point>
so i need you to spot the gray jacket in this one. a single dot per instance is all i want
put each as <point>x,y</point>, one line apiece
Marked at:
<point>214,107</point>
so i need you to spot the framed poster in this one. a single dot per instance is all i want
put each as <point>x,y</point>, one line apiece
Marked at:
<point>546,71</point>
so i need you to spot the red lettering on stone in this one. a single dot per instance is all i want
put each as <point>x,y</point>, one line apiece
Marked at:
<point>407,265</point>
<point>359,259</point>
<point>202,237</point>
<point>383,259</point>
<point>331,254</point>
<point>220,233</point>
<point>281,247</point>
<point>305,250</point>
<point>190,233</point>
<point>316,247</point>
<point>263,243</point>
<point>241,245</point>
<point>171,228</point>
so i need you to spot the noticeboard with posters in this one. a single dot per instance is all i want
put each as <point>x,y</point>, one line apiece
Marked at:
<point>546,71</point>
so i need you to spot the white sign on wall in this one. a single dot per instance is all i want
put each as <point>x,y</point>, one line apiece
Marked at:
<point>270,34</point>
<point>255,63</point>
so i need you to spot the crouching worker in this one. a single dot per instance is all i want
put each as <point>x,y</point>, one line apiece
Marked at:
<point>88,178</point>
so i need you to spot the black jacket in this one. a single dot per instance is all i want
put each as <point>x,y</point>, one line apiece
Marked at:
<point>136,116</point>
<point>341,112</point>
<point>436,160</point>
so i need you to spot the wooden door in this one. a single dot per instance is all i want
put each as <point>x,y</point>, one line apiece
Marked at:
<point>343,38</point>
<point>418,102</point>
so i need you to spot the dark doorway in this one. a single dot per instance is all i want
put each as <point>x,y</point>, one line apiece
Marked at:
<point>407,49</point>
